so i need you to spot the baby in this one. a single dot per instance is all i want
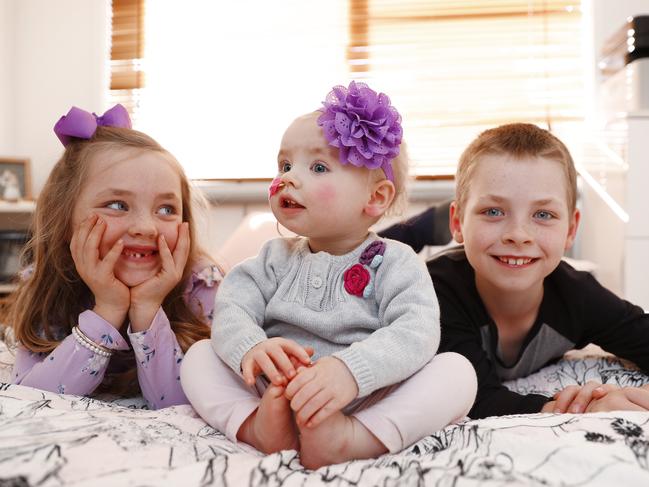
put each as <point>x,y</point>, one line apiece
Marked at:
<point>364,307</point>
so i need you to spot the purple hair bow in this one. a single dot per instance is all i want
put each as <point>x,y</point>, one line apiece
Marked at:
<point>363,126</point>
<point>82,125</point>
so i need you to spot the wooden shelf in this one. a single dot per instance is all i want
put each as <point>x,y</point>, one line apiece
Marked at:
<point>16,215</point>
<point>6,288</point>
<point>23,206</point>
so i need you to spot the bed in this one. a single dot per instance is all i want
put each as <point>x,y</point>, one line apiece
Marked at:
<point>49,439</point>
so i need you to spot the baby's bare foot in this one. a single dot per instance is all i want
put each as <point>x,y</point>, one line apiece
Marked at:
<point>338,439</point>
<point>271,428</point>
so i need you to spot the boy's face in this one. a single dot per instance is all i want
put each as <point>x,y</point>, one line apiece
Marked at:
<point>321,199</point>
<point>516,223</point>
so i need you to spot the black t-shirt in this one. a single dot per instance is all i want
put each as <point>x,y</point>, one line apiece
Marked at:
<point>429,227</point>
<point>576,310</point>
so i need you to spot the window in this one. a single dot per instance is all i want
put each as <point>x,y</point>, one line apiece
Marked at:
<point>224,79</point>
<point>127,51</point>
<point>455,68</point>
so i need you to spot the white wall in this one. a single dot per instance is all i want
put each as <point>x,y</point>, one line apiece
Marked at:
<point>6,79</point>
<point>55,56</point>
<point>602,233</point>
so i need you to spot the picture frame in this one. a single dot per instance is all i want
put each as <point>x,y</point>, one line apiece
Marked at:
<point>15,179</point>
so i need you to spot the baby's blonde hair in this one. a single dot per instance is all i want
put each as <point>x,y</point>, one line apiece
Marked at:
<point>516,140</point>
<point>400,169</point>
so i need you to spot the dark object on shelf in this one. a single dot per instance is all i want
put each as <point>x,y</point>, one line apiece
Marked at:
<point>629,43</point>
<point>11,246</point>
<point>429,227</point>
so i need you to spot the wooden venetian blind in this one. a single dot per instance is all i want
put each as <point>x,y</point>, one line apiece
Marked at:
<point>454,68</point>
<point>126,55</point>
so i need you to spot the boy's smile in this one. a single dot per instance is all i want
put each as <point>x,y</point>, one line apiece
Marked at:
<point>515,223</point>
<point>516,261</point>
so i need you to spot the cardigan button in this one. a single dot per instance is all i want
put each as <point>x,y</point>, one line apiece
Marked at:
<point>316,282</point>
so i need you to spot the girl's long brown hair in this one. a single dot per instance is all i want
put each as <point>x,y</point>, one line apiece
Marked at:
<point>47,304</point>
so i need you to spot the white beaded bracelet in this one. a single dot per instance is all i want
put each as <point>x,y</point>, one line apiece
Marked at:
<point>86,342</point>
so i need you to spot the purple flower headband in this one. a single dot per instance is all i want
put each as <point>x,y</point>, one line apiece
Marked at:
<point>363,126</point>
<point>80,124</point>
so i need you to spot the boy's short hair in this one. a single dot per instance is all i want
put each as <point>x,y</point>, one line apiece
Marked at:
<point>517,140</point>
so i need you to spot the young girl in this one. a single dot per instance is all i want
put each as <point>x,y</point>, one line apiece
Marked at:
<point>116,283</point>
<point>363,306</point>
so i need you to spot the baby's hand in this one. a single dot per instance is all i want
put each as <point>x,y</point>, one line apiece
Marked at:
<point>273,358</point>
<point>619,399</point>
<point>112,296</point>
<point>297,363</point>
<point>321,390</point>
<point>575,399</point>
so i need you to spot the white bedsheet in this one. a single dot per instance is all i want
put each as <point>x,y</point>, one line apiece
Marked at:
<point>49,439</point>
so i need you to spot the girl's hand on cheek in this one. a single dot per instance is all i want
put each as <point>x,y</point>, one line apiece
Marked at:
<point>112,297</point>
<point>148,296</point>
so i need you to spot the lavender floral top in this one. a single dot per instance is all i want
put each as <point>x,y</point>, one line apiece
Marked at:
<point>73,369</point>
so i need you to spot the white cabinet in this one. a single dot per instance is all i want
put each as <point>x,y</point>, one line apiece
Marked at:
<point>624,111</point>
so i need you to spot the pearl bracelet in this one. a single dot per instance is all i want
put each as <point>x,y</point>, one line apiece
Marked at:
<point>86,342</point>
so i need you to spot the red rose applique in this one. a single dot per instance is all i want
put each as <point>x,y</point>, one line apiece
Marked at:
<point>356,278</point>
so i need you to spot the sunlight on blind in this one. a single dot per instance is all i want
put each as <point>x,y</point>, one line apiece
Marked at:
<point>222,83</point>
<point>455,68</point>
<point>224,79</point>
<point>127,50</point>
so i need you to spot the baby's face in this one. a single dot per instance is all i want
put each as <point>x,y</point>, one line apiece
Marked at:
<point>516,223</point>
<point>320,198</point>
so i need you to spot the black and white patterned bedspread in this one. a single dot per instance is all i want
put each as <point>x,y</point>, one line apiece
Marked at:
<point>48,439</point>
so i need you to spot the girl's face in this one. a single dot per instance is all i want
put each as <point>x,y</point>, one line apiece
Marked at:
<point>321,199</point>
<point>138,194</point>
<point>516,222</point>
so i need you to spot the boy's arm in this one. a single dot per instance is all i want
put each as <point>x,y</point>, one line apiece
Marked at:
<point>493,398</point>
<point>614,324</point>
<point>461,335</point>
<point>620,399</point>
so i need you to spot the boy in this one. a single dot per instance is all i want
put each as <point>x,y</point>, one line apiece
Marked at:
<point>508,302</point>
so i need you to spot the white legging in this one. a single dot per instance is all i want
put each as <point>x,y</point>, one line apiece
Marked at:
<point>440,393</point>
